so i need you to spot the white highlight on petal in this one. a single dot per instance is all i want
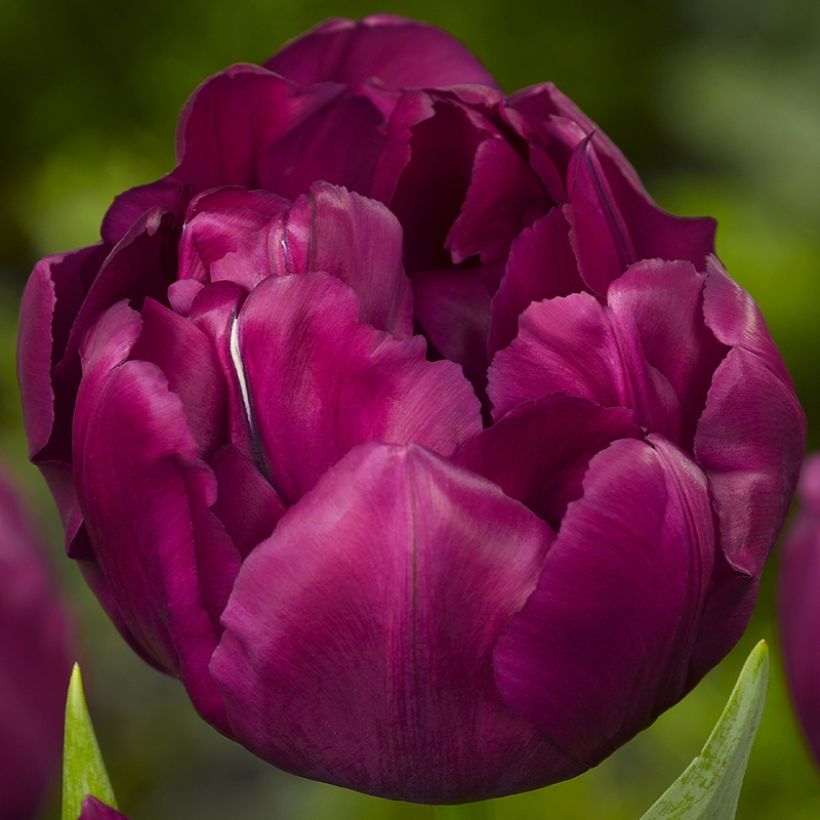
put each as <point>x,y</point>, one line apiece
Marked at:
<point>239,367</point>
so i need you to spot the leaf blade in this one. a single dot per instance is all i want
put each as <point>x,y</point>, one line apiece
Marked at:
<point>84,771</point>
<point>709,788</point>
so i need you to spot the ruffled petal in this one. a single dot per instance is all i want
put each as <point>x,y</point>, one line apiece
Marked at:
<point>575,345</point>
<point>660,304</point>
<point>246,236</point>
<point>396,52</point>
<point>365,625</point>
<point>434,182</point>
<point>223,236</point>
<point>541,265</point>
<point>539,452</point>
<point>317,382</point>
<point>146,497</point>
<point>602,646</point>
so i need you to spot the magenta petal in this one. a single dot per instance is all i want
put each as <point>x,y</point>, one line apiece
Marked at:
<point>504,197</point>
<point>600,234</point>
<point>53,294</point>
<point>319,382</point>
<point>188,360</point>
<point>94,809</point>
<point>341,143</point>
<point>452,307</point>
<point>735,319</point>
<point>541,265</point>
<point>365,627</point>
<point>539,452</point>
<point>145,497</point>
<point>660,304</point>
<point>433,184</point>
<point>247,505</point>
<point>399,53</point>
<point>602,646</point>
<point>750,441</point>
<point>799,606</point>
<point>231,115</point>
<point>169,194</point>
<point>575,345</point>
<point>359,241</point>
<point>222,222</point>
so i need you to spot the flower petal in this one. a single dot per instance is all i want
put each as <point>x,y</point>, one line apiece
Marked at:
<point>661,304</point>
<point>234,113</point>
<point>749,442</point>
<point>359,241</point>
<point>146,497</point>
<point>504,197</point>
<point>187,359</point>
<point>575,345</point>
<point>602,645</point>
<point>539,452</point>
<point>541,265</point>
<point>364,626</point>
<point>396,52</point>
<point>319,382</point>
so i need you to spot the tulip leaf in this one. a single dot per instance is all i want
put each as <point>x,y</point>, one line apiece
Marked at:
<point>710,787</point>
<point>84,771</point>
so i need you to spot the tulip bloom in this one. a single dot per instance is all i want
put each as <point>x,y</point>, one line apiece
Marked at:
<point>34,665</point>
<point>800,606</point>
<point>404,428</point>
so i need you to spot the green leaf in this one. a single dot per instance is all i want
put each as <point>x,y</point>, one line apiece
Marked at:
<point>83,768</point>
<point>710,787</point>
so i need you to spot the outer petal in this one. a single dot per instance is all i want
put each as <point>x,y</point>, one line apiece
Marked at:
<point>541,265</point>
<point>232,119</point>
<point>319,382</point>
<point>750,443</point>
<point>51,298</point>
<point>364,627</point>
<point>539,452</point>
<point>799,607</point>
<point>398,53</point>
<point>146,499</point>
<point>602,646</point>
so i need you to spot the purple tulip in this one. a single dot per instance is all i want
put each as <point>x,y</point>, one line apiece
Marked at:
<point>402,426</point>
<point>800,606</point>
<point>34,665</point>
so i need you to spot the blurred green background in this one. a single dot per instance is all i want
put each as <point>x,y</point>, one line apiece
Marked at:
<point>717,102</point>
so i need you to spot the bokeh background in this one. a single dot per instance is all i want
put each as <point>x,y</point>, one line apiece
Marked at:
<point>717,102</point>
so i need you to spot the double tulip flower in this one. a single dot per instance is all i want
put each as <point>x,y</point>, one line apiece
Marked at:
<point>402,426</point>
